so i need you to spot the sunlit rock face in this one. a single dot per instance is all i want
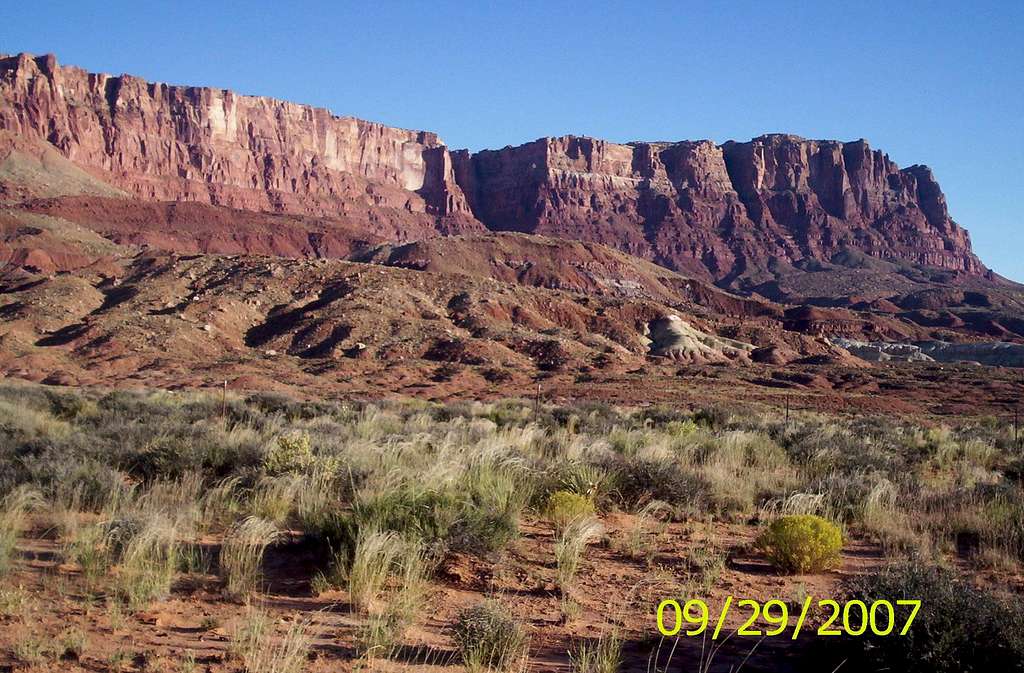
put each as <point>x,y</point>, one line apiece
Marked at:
<point>212,145</point>
<point>993,353</point>
<point>728,212</point>
<point>738,214</point>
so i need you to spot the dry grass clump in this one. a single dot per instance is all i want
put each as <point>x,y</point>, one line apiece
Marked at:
<point>706,563</point>
<point>72,643</point>
<point>148,562</point>
<point>376,555</point>
<point>14,511</point>
<point>571,545</point>
<point>740,467</point>
<point>14,601</point>
<point>641,540</point>
<point>456,497</point>
<point>33,649</point>
<point>603,655</point>
<point>221,505</point>
<point>87,547</point>
<point>583,478</point>
<point>273,498</point>
<point>264,646</point>
<point>489,639</point>
<point>388,581</point>
<point>402,605</point>
<point>241,556</point>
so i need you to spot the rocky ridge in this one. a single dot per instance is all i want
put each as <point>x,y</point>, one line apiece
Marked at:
<point>175,143</point>
<point>727,212</point>
<point>992,353</point>
<point>739,214</point>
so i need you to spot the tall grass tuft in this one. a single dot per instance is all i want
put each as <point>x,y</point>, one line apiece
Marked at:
<point>86,545</point>
<point>603,655</point>
<point>13,517</point>
<point>402,607</point>
<point>148,562</point>
<point>220,505</point>
<point>261,649</point>
<point>376,554</point>
<point>241,555</point>
<point>274,497</point>
<point>649,521</point>
<point>570,547</point>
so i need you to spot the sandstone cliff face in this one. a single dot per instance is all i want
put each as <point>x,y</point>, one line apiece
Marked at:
<point>163,142</point>
<point>739,214</point>
<point>729,212</point>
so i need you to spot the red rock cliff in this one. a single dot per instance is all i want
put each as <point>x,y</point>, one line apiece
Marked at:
<point>211,145</point>
<point>725,211</point>
<point>731,213</point>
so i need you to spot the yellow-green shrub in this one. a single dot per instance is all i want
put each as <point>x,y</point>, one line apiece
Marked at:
<point>294,454</point>
<point>801,543</point>
<point>564,506</point>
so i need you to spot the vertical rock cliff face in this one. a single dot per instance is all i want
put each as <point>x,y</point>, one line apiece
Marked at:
<point>729,211</point>
<point>734,213</point>
<point>199,144</point>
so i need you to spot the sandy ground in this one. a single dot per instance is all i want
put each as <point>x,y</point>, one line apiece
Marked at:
<point>614,590</point>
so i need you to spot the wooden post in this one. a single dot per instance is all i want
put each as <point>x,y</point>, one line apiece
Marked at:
<point>224,401</point>
<point>787,411</point>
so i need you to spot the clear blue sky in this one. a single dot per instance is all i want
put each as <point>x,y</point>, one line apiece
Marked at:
<point>939,83</point>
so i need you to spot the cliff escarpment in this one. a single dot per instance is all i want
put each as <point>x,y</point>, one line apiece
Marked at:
<point>173,143</point>
<point>732,212</point>
<point>741,214</point>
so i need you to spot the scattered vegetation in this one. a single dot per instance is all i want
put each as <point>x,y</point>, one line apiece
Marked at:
<point>141,487</point>
<point>241,555</point>
<point>32,649</point>
<point>72,643</point>
<point>14,601</point>
<point>650,524</point>
<point>376,555</point>
<point>148,562</point>
<point>960,628</point>
<point>14,509</point>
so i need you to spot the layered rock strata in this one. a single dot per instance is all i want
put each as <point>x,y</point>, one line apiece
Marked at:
<point>731,211</point>
<point>738,214</point>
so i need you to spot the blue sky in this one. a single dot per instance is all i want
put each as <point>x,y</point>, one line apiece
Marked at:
<point>938,83</point>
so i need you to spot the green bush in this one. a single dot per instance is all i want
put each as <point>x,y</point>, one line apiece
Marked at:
<point>801,543</point>
<point>488,638</point>
<point>564,506</point>
<point>581,478</point>
<point>71,405</point>
<point>482,531</point>
<point>292,453</point>
<point>959,628</point>
<point>444,520</point>
<point>638,481</point>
